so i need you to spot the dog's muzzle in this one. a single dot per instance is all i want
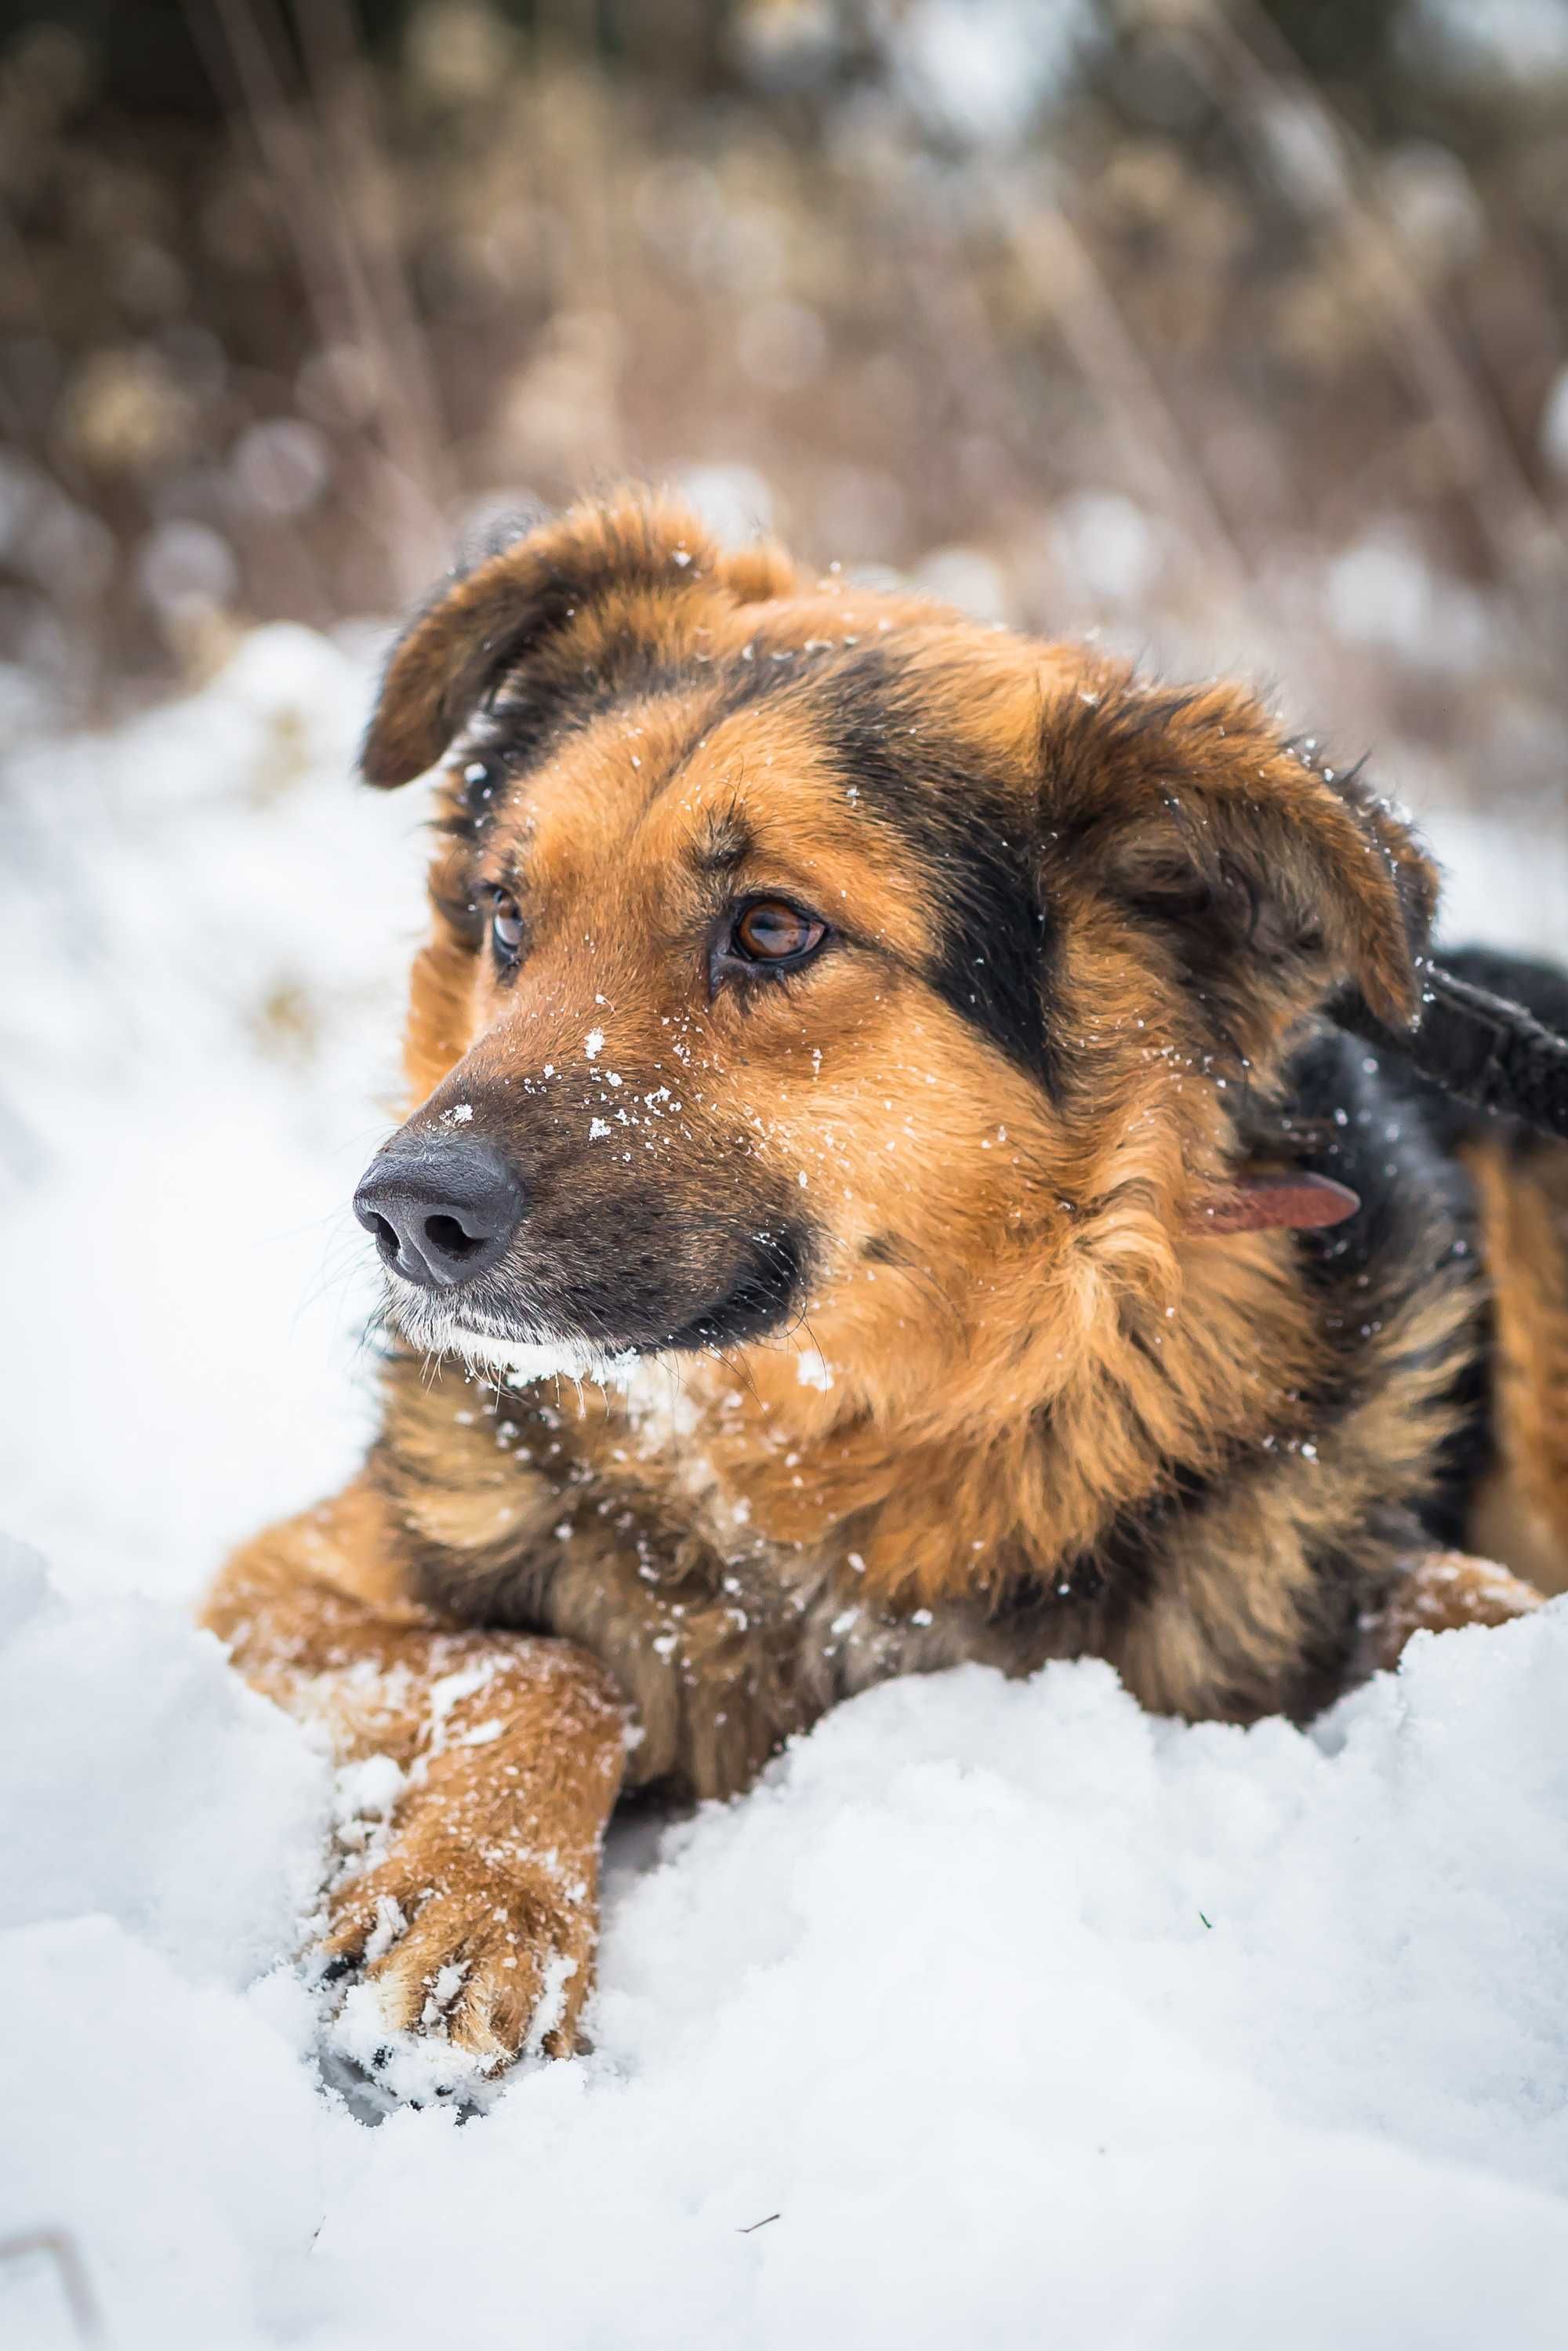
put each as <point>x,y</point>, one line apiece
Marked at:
<point>440,1210</point>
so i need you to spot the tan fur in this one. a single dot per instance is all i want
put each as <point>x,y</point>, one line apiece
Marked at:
<point>1034,1399</point>
<point>1523,1194</point>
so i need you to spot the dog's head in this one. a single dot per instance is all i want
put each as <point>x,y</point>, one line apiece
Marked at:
<point>810,965</point>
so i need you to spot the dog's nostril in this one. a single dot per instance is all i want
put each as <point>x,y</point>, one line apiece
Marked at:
<point>448,1237</point>
<point>382,1234</point>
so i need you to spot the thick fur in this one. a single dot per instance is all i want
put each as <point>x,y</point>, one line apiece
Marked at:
<point>876,1315</point>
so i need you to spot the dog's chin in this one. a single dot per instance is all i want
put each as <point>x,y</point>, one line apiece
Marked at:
<point>439,1325</point>
<point>493,1338</point>
<point>520,1356</point>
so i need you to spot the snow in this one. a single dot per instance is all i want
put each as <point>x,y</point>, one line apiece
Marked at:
<point>980,71</point>
<point>204,942</point>
<point>1381,593</point>
<point>1521,42</point>
<point>998,2013</point>
<point>1006,1999</point>
<point>734,500</point>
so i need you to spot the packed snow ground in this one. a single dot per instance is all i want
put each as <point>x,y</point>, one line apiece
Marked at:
<point>997,2015</point>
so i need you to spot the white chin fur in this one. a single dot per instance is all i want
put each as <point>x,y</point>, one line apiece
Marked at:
<point>523,1361</point>
<point>519,1361</point>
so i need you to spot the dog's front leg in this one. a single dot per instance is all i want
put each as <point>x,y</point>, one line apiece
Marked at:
<point>482,1916</point>
<point>479,1917</point>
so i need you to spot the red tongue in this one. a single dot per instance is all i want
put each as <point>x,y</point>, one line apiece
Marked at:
<point>1254,1204</point>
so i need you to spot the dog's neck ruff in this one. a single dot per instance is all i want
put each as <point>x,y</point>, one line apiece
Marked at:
<point>997,1479</point>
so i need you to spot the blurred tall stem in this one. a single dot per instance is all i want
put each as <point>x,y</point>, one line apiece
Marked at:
<point>1264,75</point>
<point>341,249</point>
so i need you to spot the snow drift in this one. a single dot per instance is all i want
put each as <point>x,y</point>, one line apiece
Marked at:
<point>999,2012</point>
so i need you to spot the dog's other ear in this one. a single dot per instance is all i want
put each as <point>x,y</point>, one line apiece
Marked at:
<point>1265,872</point>
<point>482,624</point>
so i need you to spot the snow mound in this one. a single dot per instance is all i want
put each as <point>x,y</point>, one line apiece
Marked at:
<point>173,1798</point>
<point>209,926</point>
<point>998,2013</point>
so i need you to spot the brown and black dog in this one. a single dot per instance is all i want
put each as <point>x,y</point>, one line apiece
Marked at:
<point>882,1192</point>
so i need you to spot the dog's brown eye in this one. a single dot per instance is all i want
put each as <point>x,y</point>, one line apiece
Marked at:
<point>772,931</point>
<point>506,927</point>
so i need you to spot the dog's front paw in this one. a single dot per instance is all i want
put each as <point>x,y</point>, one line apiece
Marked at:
<point>481,1955</point>
<point>1445,1592</point>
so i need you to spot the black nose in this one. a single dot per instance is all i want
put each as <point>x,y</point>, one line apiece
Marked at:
<point>440,1211</point>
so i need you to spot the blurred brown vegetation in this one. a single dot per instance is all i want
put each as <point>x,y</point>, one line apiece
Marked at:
<point>1234,330</point>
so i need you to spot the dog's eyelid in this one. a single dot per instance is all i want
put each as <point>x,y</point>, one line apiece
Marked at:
<point>744,902</point>
<point>771,893</point>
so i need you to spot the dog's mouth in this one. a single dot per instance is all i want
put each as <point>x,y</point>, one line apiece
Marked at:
<point>495,1323</point>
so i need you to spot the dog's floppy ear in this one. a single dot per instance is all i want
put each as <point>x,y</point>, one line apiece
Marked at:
<point>480,624</point>
<point>1265,872</point>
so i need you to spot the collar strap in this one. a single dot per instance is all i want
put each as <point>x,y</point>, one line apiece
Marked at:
<point>1484,1048</point>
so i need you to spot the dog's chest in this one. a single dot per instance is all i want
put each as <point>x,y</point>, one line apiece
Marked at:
<point>625,1537</point>
<point>727,1643</point>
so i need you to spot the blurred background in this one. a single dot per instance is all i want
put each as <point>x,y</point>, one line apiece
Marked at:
<point>1236,329</point>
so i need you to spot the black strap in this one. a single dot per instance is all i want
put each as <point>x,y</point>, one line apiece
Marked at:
<point>1487,1050</point>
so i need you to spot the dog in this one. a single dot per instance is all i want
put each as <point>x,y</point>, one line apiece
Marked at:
<point>882,1191</point>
